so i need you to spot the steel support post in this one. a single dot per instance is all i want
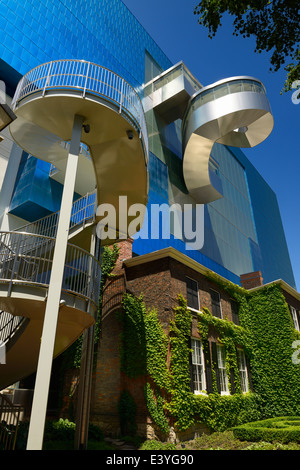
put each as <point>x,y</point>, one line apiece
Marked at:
<point>84,392</point>
<point>41,389</point>
<point>85,377</point>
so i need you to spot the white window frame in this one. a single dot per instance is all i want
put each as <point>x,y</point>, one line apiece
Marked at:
<point>295,318</point>
<point>198,367</point>
<point>243,371</point>
<point>221,358</point>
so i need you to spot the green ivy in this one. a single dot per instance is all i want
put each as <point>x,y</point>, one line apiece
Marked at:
<point>181,403</point>
<point>133,352</point>
<point>71,358</point>
<point>215,411</point>
<point>230,335</point>
<point>275,378</point>
<point>219,413</point>
<point>266,334</point>
<point>235,291</point>
<point>155,405</point>
<point>157,351</point>
<point>144,352</point>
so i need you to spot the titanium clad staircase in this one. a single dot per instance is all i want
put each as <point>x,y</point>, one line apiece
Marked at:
<point>46,102</point>
<point>25,265</point>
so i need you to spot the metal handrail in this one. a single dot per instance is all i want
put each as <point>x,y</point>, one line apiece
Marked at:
<point>26,263</point>
<point>83,209</point>
<point>27,258</point>
<point>8,325</point>
<point>173,73</point>
<point>87,78</point>
<point>219,89</point>
<point>83,150</point>
<point>10,416</point>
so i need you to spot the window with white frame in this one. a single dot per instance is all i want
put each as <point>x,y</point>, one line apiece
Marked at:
<point>295,318</point>
<point>192,293</point>
<point>198,369</point>
<point>242,370</point>
<point>221,356</point>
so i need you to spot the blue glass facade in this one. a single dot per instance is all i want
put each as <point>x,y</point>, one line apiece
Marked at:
<point>243,230</point>
<point>104,32</point>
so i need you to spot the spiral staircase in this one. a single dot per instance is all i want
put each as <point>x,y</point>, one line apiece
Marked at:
<point>26,260</point>
<point>50,270</point>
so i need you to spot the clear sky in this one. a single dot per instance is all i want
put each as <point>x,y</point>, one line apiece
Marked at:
<point>174,27</point>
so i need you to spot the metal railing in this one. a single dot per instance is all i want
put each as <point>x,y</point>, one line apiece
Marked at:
<point>222,88</point>
<point>83,209</point>
<point>177,71</point>
<point>229,87</point>
<point>10,416</point>
<point>86,78</point>
<point>83,150</point>
<point>27,258</point>
<point>168,76</point>
<point>8,325</point>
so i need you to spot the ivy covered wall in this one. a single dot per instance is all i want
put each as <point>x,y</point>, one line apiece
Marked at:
<point>276,378</point>
<point>156,355</point>
<point>266,334</point>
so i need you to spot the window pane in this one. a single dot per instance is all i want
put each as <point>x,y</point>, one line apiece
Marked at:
<point>222,369</point>
<point>294,316</point>
<point>192,293</point>
<point>242,370</point>
<point>234,312</point>
<point>215,303</point>
<point>198,366</point>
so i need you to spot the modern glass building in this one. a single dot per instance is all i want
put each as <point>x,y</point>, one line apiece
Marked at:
<point>243,231</point>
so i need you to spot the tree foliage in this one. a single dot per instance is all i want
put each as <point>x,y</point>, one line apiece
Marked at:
<point>275,25</point>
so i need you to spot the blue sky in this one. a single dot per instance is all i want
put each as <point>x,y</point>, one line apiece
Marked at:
<point>174,27</point>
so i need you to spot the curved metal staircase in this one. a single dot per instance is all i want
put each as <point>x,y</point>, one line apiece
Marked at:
<point>25,266</point>
<point>47,102</point>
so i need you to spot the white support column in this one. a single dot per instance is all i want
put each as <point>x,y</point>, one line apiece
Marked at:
<point>41,390</point>
<point>85,378</point>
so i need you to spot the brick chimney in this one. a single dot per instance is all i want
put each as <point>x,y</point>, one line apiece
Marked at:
<point>125,252</point>
<point>251,280</point>
<point>125,247</point>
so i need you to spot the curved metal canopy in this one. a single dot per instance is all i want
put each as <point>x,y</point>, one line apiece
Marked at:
<point>45,103</point>
<point>234,112</point>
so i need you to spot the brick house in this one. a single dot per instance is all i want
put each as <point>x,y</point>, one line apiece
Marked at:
<point>160,276</point>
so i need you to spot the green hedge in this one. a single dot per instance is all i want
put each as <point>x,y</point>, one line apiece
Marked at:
<point>157,445</point>
<point>282,429</point>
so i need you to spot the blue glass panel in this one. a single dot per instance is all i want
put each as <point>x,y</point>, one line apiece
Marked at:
<point>243,230</point>
<point>269,230</point>
<point>104,32</point>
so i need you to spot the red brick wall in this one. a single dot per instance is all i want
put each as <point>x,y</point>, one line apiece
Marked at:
<point>107,377</point>
<point>159,282</point>
<point>179,272</point>
<point>113,293</point>
<point>125,252</point>
<point>291,300</point>
<point>251,280</point>
<point>153,281</point>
